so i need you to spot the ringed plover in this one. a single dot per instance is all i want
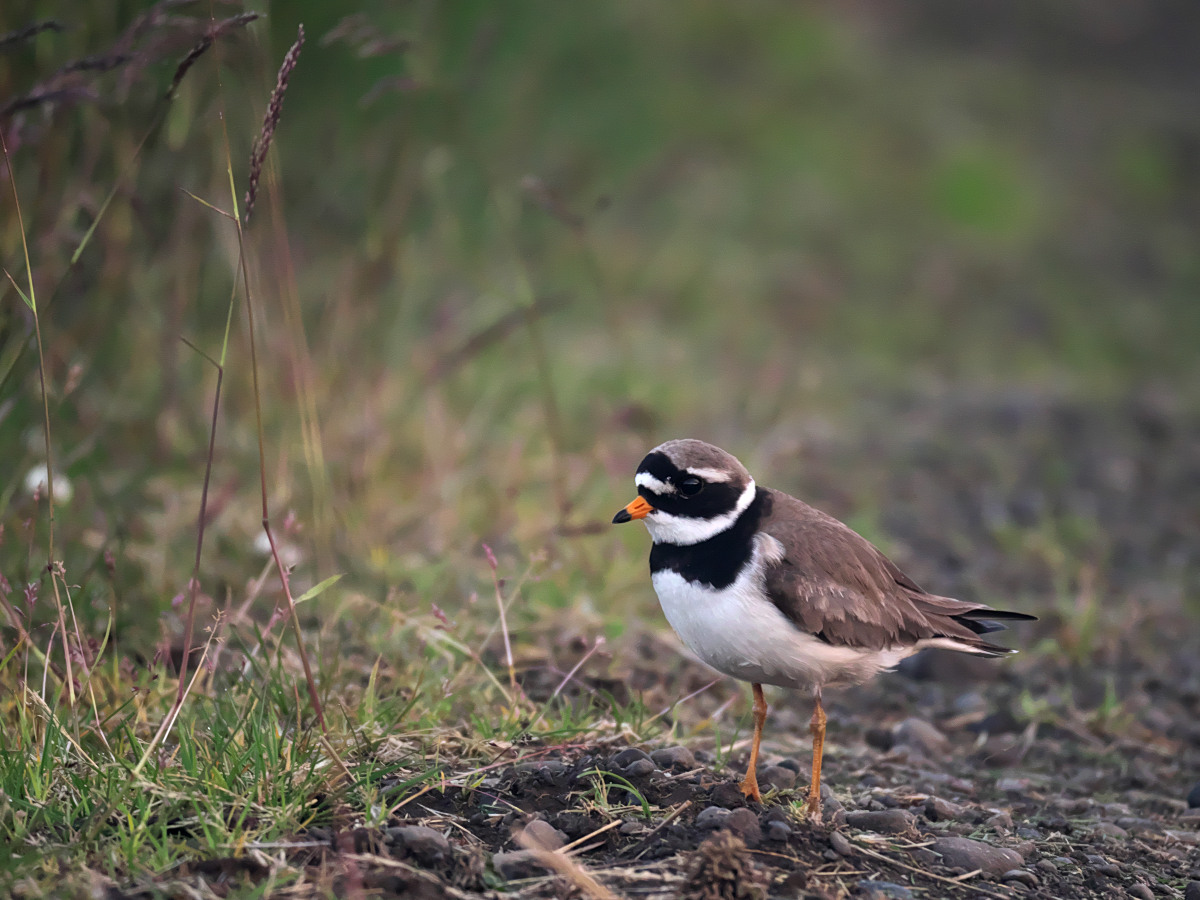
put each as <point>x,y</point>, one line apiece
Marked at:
<point>764,587</point>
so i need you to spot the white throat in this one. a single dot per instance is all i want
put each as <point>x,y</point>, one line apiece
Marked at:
<point>681,531</point>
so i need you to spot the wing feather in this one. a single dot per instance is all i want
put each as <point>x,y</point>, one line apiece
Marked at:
<point>835,584</point>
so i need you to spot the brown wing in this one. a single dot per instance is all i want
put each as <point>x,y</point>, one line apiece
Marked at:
<point>835,584</point>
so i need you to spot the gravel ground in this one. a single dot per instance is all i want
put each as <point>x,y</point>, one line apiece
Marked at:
<point>1068,771</point>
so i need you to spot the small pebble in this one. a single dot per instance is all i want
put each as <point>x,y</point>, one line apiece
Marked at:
<point>884,821</point>
<point>939,810</point>
<point>1022,876</point>
<point>970,854</point>
<point>1193,802</point>
<point>883,890</point>
<point>778,831</point>
<point>921,736</point>
<point>840,845</point>
<point>1141,892</point>
<point>543,834</point>
<point>430,847</point>
<point>712,817</point>
<point>674,759</point>
<point>1139,826</point>
<point>515,864</point>
<point>1192,891</point>
<point>1110,829</point>
<point>631,828</point>
<point>880,739</point>
<point>1046,866</point>
<point>1001,821</point>
<point>628,756</point>
<point>776,777</point>
<point>1103,866</point>
<point>744,824</point>
<point>792,764</point>
<point>728,795</point>
<point>831,806</point>
<point>640,768</point>
<point>1013,785</point>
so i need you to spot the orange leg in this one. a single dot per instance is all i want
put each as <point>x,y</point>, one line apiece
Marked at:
<point>817,727</point>
<point>749,784</point>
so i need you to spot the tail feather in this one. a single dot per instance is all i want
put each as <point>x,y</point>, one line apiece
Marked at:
<point>984,620</point>
<point>964,623</point>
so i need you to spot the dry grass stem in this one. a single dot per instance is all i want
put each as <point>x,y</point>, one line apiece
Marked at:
<point>558,861</point>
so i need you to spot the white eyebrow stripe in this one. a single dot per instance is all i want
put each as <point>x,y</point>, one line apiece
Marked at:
<point>681,531</point>
<point>713,476</point>
<point>646,480</point>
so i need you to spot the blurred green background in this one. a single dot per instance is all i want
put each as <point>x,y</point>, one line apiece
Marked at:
<point>501,250</point>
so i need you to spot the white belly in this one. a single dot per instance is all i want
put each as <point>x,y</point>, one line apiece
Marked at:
<point>740,632</point>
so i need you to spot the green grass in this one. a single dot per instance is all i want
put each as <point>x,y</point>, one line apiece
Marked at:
<point>479,299</point>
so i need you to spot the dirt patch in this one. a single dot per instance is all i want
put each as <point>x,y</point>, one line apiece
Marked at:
<point>1069,771</point>
<point>898,824</point>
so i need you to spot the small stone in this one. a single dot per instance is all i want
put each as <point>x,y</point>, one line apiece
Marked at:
<point>1193,802</point>
<point>1023,849</point>
<point>831,806</point>
<point>628,756</point>
<point>674,759</point>
<point>1102,866</point>
<point>728,795</point>
<point>1141,892</point>
<point>744,824</point>
<point>515,864</point>
<point>777,777</point>
<point>1001,821</point>
<point>778,831</point>
<point>631,828</point>
<point>1000,752</point>
<point>921,736</point>
<point>883,890</point>
<point>884,821</point>
<point>970,855</point>
<point>426,845</point>
<point>1046,866</point>
<point>640,768</point>
<point>1021,876</point>
<point>880,739</point>
<point>793,764</point>
<point>939,810</point>
<point>1136,825</point>
<point>1192,891</point>
<point>712,817</point>
<point>1110,830</point>
<point>543,834</point>
<point>840,845</point>
<point>1013,785</point>
<point>970,702</point>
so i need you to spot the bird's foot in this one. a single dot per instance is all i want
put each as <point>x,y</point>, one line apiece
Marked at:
<point>814,808</point>
<point>749,787</point>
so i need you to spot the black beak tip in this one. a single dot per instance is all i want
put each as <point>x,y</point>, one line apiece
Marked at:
<point>622,516</point>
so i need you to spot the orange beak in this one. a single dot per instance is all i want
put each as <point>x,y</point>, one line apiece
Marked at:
<point>637,509</point>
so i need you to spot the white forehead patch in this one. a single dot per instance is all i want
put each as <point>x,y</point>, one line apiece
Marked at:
<point>648,481</point>
<point>682,531</point>
<point>712,476</point>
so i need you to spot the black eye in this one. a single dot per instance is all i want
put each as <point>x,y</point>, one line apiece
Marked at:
<point>691,486</point>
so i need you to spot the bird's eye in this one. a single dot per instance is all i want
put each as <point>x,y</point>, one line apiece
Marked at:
<point>691,486</point>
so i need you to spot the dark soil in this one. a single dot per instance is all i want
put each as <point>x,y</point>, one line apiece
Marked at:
<point>1069,771</point>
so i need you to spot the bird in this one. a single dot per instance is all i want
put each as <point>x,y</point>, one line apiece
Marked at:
<point>767,589</point>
